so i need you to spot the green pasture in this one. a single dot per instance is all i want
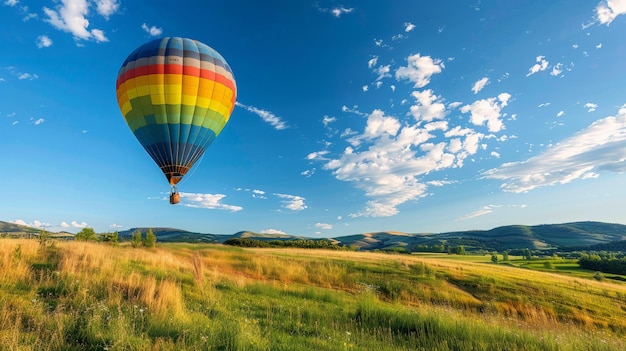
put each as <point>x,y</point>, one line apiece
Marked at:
<point>88,296</point>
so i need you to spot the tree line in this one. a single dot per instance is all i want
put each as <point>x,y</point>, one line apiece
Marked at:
<point>608,263</point>
<point>297,243</point>
<point>137,239</point>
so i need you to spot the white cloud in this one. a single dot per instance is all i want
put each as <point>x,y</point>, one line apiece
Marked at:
<point>541,65</point>
<point>428,107</point>
<point>11,2</point>
<point>338,11</point>
<point>71,17</point>
<point>266,116</point>
<point>483,211</point>
<point>419,69</point>
<point>38,121</point>
<point>590,106</point>
<point>64,225</point>
<point>208,201</point>
<point>258,194</point>
<point>27,76</point>
<point>599,147</point>
<point>318,155</point>
<point>379,124</point>
<point>372,62</point>
<point>608,10</point>
<point>106,8</point>
<point>43,41</point>
<point>292,202</point>
<point>326,120</point>
<point>324,226</point>
<point>116,226</point>
<point>488,111</point>
<point>98,34</point>
<point>480,84</point>
<point>408,27</point>
<point>152,31</point>
<point>365,88</point>
<point>34,224</point>
<point>75,224</point>
<point>561,113</point>
<point>557,69</point>
<point>599,46</point>
<point>272,231</point>
<point>383,72</point>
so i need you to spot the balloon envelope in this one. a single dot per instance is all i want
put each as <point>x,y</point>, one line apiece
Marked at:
<point>176,95</point>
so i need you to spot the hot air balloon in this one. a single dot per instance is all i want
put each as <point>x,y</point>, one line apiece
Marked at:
<point>176,95</point>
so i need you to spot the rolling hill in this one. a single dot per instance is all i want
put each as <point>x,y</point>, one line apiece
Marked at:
<point>539,237</point>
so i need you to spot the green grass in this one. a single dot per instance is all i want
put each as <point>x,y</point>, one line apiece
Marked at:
<point>87,296</point>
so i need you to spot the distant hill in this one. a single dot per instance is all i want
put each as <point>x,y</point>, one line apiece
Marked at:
<point>539,237</point>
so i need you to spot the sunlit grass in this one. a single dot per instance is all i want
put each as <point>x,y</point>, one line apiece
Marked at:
<point>89,296</point>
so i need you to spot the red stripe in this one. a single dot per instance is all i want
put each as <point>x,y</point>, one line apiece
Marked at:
<point>175,69</point>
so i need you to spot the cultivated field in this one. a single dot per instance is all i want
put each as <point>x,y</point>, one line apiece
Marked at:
<point>90,296</point>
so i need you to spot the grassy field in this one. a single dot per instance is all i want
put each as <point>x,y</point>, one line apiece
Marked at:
<point>89,296</point>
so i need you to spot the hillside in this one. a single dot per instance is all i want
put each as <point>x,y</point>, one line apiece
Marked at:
<point>539,237</point>
<point>90,296</point>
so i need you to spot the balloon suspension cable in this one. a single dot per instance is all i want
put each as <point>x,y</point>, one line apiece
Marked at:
<point>193,170</point>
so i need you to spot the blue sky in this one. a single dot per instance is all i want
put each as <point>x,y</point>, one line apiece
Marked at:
<point>351,117</point>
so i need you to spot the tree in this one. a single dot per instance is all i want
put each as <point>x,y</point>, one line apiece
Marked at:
<point>150,239</point>
<point>43,237</point>
<point>505,256</point>
<point>85,234</point>
<point>112,238</point>
<point>136,240</point>
<point>527,254</point>
<point>494,258</point>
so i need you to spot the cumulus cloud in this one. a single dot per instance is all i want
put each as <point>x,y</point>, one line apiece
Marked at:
<point>428,106</point>
<point>590,106</point>
<point>557,69</point>
<point>599,147</point>
<point>106,8</point>
<point>43,41</point>
<point>38,121</point>
<point>64,225</point>
<point>419,70</point>
<point>408,27</point>
<point>258,194</point>
<point>324,226</point>
<point>292,202</point>
<point>266,116</point>
<point>272,231</point>
<point>152,30</point>
<point>488,111</point>
<point>76,224</point>
<point>11,2</point>
<point>541,65</point>
<point>71,17</point>
<point>383,72</point>
<point>608,10</point>
<point>208,201</point>
<point>33,224</point>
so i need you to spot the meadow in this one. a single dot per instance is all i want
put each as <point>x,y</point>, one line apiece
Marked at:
<point>71,295</point>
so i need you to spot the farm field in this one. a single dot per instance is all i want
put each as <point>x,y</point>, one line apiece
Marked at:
<point>92,296</point>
